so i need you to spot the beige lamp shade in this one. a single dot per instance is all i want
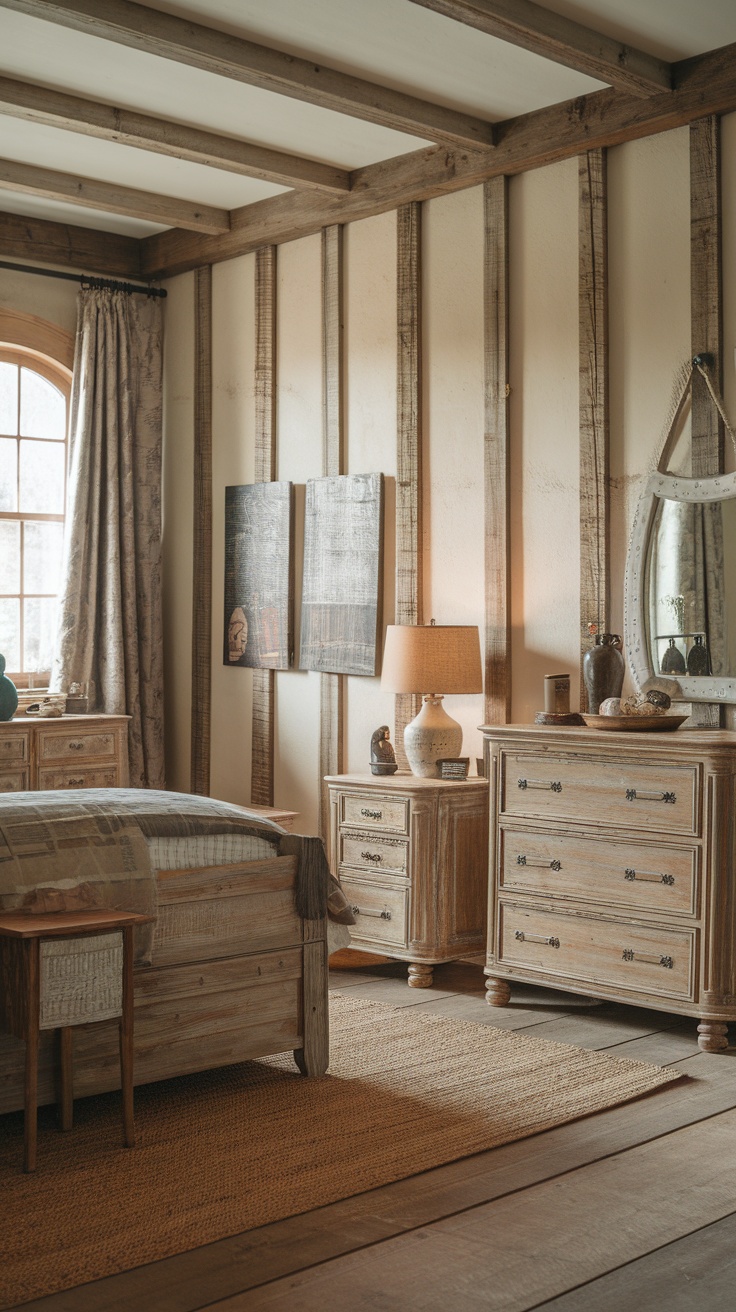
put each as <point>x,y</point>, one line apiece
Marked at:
<point>442,658</point>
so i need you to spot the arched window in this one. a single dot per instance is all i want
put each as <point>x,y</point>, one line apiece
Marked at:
<point>34,423</point>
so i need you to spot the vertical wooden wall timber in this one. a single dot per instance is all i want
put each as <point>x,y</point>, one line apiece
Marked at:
<point>409,445</point>
<point>706,310</point>
<point>202,535</point>
<point>265,465</point>
<point>496,451</point>
<point>332,686</point>
<point>594,410</point>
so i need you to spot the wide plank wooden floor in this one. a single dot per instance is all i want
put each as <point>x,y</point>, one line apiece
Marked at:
<point>633,1207</point>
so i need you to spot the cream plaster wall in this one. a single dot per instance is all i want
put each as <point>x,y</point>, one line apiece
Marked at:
<point>54,299</point>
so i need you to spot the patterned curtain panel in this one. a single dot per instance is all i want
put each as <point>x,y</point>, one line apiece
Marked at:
<point>109,633</point>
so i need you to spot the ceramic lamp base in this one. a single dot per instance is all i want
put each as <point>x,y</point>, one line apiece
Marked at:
<point>430,736</point>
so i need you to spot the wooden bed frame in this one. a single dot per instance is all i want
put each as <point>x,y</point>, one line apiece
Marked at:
<point>236,974</point>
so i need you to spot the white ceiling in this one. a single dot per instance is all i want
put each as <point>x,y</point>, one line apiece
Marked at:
<point>393,42</point>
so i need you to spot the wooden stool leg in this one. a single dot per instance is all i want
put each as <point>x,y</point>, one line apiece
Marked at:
<point>66,1080</point>
<point>30,1096</point>
<point>126,1040</point>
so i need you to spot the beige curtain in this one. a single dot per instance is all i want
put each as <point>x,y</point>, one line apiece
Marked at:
<point>109,631</point>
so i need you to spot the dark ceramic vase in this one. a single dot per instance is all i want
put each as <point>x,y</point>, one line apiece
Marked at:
<point>603,670</point>
<point>698,661</point>
<point>673,661</point>
<point>8,694</point>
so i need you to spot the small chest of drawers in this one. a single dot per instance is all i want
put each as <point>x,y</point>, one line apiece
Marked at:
<point>411,855</point>
<point>612,867</point>
<point>75,751</point>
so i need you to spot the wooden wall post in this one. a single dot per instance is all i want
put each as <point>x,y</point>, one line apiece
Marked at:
<point>332,686</point>
<point>265,388</point>
<point>202,535</point>
<point>409,445</point>
<point>496,451</point>
<point>594,410</point>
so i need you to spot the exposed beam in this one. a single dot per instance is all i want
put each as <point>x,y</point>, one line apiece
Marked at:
<point>234,57</point>
<point>36,104</point>
<point>703,85</point>
<point>111,198</point>
<point>541,30</point>
<point>83,249</point>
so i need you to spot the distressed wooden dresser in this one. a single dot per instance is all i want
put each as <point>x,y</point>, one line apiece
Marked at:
<point>411,856</point>
<point>612,868</point>
<point>75,751</point>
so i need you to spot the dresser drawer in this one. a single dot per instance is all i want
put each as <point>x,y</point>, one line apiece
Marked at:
<point>372,812</point>
<point>608,793</point>
<point>82,777</point>
<point>14,781</point>
<point>14,747</point>
<point>372,853</point>
<point>380,912</point>
<point>620,874</point>
<point>598,952</point>
<point>80,745</point>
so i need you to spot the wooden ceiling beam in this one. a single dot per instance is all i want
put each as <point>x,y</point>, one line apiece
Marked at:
<point>111,198</point>
<point>541,30</point>
<point>217,52</point>
<point>703,85</point>
<point>91,118</point>
<point>84,249</point>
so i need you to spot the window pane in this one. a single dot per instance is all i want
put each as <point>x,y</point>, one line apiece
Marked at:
<point>39,616</point>
<point>8,473</point>
<point>42,407</point>
<point>42,477</point>
<point>8,398</point>
<point>41,557</point>
<point>10,555</point>
<point>10,632</point>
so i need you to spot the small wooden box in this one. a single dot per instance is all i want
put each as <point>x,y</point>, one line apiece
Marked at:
<point>454,767</point>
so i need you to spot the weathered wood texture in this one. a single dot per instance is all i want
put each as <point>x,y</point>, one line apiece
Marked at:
<point>81,751</point>
<point>706,310</point>
<point>409,520</point>
<point>703,85</point>
<point>496,452</point>
<point>202,535</point>
<point>259,575</point>
<point>83,249</point>
<point>594,413</point>
<point>264,690</point>
<point>332,688</point>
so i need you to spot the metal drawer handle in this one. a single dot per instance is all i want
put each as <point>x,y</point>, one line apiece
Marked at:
<point>555,786</point>
<point>76,747</point>
<point>375,857</point>
<point>630,955</point>
<point>75,783</point>
<point>634,795</point>
<point>536,938</point>
<point>538,865</point>
<point>366,911</point>
<point>650,876</point>
<point>371,815</point>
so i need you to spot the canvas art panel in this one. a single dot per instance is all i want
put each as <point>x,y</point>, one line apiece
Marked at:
<point>259,576</point>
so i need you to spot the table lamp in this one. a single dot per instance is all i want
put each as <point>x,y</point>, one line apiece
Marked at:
<point>418,657</point>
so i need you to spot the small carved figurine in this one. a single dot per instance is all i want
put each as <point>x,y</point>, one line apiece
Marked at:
<point>383,757</point>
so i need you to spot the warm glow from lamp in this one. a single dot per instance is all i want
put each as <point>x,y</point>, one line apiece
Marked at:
<point>417,658</point>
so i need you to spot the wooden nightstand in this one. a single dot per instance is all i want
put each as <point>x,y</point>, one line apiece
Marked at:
<point>411,856</point>
<point>60,970</point>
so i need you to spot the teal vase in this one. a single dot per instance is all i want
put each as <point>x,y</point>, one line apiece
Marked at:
<point>8,694</point>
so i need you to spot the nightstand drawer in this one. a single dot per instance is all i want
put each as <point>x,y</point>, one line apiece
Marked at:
<point>646,959</point>
<point>371,853</point>
<point>81,980</point>
<point>14,747</point>
<point>626,793</point>
<point>371,812</point>
<point>620,874</point>
<point>379,910</point>
<point>81,745</point>
<point>14,781</point>
<point>84,777</point>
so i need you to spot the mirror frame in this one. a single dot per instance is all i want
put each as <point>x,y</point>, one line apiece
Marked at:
<point>670,487</point>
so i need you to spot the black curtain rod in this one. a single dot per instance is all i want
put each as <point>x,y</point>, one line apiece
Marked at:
<point>86,280</point>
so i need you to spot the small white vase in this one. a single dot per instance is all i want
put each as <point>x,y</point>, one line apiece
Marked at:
<point>431,736</point>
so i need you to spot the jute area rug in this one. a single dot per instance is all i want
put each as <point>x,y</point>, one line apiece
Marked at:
<point>232,1149</point>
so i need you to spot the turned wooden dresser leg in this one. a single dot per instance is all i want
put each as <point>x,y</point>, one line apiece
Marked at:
<point>712,1036</point>
<point>498,993</point>
<point>420,975</point>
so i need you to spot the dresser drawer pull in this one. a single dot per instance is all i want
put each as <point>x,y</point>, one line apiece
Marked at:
<point>538,865</point>
<point>76,747</point>
<point>555,786</point>
<point>375,857</point>
<point>630,955</point>
<point>367,911</point>
<point>536,938</point>
<point>632,795</point>
<point>650,876</point>
<point>371,815</point>
<point>75,783</point>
